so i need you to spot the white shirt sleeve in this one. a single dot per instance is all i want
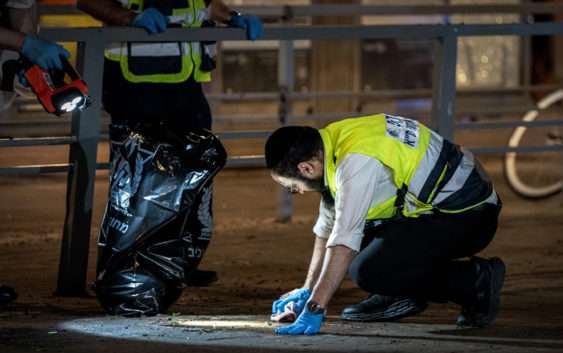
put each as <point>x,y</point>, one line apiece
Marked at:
<point>360,181</point>
<point>325,221</point>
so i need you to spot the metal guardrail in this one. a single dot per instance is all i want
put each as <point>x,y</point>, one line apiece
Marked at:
<point>36,169</point>
<point>372,94</point>
<point>98,36</point>
<point>40,141</point>
<point>85,125</point>
<point>285,11</point>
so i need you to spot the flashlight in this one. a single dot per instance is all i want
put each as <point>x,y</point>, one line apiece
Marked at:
<point>58,91</point>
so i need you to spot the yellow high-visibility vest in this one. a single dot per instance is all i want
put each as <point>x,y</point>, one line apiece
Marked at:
<point>143,62</point>
<point>430,173</point>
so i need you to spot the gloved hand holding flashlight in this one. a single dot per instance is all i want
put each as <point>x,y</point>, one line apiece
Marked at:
<point>43,53</point>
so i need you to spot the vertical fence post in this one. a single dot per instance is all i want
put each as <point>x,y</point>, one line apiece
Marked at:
<point>80,186</point>
<point>526,55</point>
<point>286,60</point>
<point>444,82</point>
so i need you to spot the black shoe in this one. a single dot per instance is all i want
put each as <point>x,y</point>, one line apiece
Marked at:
<point>490,278</point>
<point>383,308</point>
<point>7,295</point>
<point>202,278</point>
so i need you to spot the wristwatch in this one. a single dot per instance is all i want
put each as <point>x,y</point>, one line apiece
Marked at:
<point>315,308</point>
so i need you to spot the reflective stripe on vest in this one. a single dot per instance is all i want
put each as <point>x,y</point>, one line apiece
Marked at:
<point>140,62</point>
<point>436,173</point>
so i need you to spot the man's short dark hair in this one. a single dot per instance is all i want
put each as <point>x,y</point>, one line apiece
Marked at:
<point>290,145</point>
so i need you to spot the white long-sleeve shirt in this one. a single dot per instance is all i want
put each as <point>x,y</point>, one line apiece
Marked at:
<point>362,182</point>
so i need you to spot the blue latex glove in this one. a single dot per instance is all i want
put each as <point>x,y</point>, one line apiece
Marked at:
<point>298,296</point>
<point>43,53</point>
<point>250,23</point>
<point>152,20</point>
<point>306,324</point>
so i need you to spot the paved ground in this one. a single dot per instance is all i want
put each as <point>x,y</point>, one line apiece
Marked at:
<point>258,259</point>
<point>253,334</point>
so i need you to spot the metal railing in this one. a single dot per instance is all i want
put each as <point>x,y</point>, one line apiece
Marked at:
<point>287,13</point>
<point>283,12</point>
<point>85,125</point>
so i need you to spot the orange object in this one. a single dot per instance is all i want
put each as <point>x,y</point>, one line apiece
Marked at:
<point>55,94</point>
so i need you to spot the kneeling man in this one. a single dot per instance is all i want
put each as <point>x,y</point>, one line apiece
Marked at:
<point>402,209</point>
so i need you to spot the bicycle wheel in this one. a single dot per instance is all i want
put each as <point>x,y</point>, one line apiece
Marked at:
<point>537,175</point>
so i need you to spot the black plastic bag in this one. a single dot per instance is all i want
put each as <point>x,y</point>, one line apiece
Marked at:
<point>157,222</point>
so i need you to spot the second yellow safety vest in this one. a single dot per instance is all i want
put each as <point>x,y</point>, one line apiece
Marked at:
<point>145,62</point>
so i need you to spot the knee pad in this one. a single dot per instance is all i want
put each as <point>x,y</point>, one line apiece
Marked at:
<point>157,187</point>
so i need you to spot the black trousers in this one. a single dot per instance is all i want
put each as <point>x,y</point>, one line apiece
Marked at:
<point>179,106</point>
<point>418,257</point>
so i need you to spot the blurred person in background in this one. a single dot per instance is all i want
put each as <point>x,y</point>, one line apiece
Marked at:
<point>18,34</point>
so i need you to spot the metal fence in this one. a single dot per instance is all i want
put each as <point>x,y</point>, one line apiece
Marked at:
<point>85,125</point>
<point>284,12</point>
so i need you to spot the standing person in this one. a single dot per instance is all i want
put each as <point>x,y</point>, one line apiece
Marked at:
<point>400,207</point>
<point>18,32</point>
<point>18,29</point>
<point>155,89</point>
<point>18,35</point>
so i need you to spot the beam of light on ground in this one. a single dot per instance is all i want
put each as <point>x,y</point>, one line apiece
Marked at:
<point>256,332</point>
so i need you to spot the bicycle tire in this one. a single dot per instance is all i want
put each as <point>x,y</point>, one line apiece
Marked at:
<point>511,173</point>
